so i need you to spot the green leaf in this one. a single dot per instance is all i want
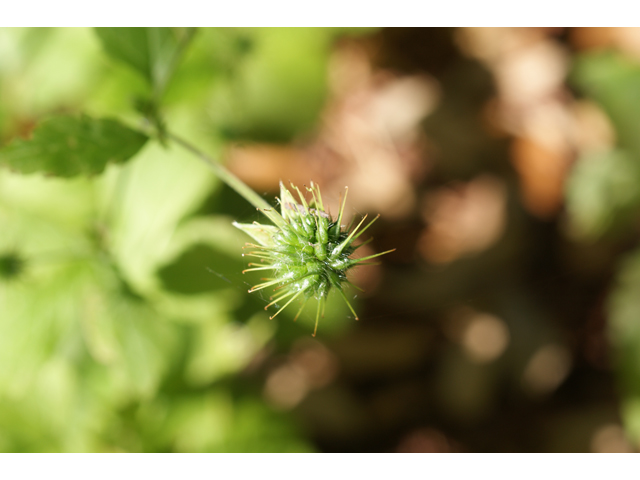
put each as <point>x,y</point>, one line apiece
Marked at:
<point>166,182</point>
<point>66,146</point>
<point>153,52</point>
<point>130,45</point>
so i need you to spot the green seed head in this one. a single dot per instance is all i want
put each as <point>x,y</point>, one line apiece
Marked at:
<point>307,252</point>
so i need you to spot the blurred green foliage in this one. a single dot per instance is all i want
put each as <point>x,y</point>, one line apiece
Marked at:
<point>125,321</point>
<point>603,200</point>
<point>602,194</point>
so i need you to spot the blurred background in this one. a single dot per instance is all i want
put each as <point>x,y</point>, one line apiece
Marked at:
<point>505,164</point>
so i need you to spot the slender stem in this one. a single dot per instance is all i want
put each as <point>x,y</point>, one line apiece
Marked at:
<point>234,182</point>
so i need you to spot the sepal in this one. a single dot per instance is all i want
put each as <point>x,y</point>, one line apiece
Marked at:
<point>263,234</point>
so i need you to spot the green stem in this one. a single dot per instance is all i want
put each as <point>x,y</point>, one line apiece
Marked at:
<point>234,182</point>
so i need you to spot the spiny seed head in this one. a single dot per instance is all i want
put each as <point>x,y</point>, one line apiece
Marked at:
<point>307,251</point>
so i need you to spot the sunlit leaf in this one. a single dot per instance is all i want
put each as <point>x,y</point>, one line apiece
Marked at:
<point>163,186</point>
<point>66,146</point>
